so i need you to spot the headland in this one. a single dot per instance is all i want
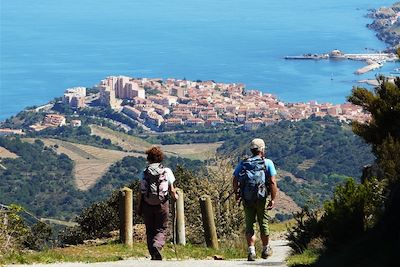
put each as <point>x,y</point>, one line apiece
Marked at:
<point>386,23</point>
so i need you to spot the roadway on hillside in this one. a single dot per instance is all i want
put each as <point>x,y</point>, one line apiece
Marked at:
<point>281,251</point>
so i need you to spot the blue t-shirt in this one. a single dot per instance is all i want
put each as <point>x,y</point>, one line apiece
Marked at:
<point>270,171</point>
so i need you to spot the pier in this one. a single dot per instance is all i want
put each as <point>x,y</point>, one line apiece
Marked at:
<point>374,60</point>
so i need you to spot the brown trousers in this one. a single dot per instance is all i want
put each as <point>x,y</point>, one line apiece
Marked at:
<point>156,221</point>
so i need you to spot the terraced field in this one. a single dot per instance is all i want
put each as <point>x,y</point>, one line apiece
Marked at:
<point>127,142</point>
<point>90,162</point>
<point>4,153</point>
<point>131,143</point>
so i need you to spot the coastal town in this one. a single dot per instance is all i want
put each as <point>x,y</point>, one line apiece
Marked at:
<point>171,104</point>
<point>161,105</point>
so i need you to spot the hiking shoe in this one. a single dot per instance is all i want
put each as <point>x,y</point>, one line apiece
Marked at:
<point>267,252</point>
<point>156,255</point>
<point>251,257</point>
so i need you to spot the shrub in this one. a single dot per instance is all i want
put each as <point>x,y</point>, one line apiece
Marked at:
<point>353,209</point>
<point>12,229</point>
<point>216,182</point>
<point>307,228</point>
<point>72,236</point>
<point>38,237</point>
<point>98,220</point>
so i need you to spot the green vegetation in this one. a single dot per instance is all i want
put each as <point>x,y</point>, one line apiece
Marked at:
<point>81,135</point>
<point>101,217</point>
<point>23,120</point>
<point>114,252</point>
<point>195,135</point>
<point>41,180</point>
<point>306,258</point>
<point>129,169</point>
<point>359,226</point>
<point>52,193</point>
<point>322,152</point>
<point>108,113</point>
<point>15,233</point>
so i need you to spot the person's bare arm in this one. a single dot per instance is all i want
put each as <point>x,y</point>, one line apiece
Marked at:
<point>274,191</point>
<point>173,192</point>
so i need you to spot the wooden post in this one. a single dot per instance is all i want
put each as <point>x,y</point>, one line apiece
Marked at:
<point>210,232</point>
<point>126,216</point>
<point>180,219</point>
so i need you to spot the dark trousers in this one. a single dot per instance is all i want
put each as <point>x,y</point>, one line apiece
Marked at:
<point>156,221</point>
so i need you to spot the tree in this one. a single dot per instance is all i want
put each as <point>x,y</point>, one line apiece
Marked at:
<point>383,132</point>
<point>384,106</point>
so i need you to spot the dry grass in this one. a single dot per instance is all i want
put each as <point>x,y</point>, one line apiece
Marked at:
<point>4,153</point>
<point>283,173</point>
<point>127,142</point>
<point>284,204</point>
<point>58,222</point>
<point>193,151</point>
<point>90,162</point>
<point>132,143</point>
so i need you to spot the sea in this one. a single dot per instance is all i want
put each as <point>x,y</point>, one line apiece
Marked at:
<point>47,46</point>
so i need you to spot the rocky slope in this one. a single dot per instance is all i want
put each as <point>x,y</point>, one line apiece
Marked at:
<point>387,24</point>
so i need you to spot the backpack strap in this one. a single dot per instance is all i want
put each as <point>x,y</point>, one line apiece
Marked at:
<point>147,181</point>
<point>267,177</point>
<point>158,181</point>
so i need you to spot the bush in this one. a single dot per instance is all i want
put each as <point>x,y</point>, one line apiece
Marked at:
<point>38,237</point>
<point>15,234</point>
<point>216,182</point>
<point>12,229</point>
<point>98,220</point>
<point>72,236</point>
<point>354,209</point>
<point>102,217</point>
<point>307,228</point>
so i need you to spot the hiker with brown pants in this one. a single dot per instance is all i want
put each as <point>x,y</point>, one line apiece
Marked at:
<point>253,180</point>
<point>155,186</point>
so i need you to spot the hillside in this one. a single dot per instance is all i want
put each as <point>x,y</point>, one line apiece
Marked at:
<point>90,163</point>
<point>313,155</point>
<point>199,151</point>
<point>41,178</point>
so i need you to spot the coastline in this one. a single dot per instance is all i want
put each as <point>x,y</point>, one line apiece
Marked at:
<point>386,24</point>
<point>46,86</point>
<point>158,105</point>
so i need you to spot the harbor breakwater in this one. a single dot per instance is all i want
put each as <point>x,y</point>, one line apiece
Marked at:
<point>373,60</point>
